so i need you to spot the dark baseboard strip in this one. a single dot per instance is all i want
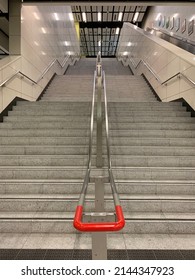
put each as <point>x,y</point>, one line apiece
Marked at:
<point>9,107</point>
<point>76,254</point>
<point>66,69</point>
<point>130,70</point>
<point>154,92</point>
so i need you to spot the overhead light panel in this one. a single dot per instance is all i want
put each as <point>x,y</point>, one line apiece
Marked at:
<point>43,30</point>
<point>129,44</point>
<point>120,16</point>
<point>36,44</point>
<point>99,43</point>
<point>135,17</point>
<point>84,16</point>
<point>71,16</point>
<point>43,53</point>
<point>99,16</point>
<point>56,16</point>
<point>117,31</point>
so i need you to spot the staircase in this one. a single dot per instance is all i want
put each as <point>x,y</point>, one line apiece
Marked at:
<point>43,157</point>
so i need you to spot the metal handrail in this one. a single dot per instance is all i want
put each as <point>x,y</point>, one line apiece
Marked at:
<point>158,79</point>
<point>15,74</point>
<point>99,226</point>
<point>42,75</point>
<point>50,65</point>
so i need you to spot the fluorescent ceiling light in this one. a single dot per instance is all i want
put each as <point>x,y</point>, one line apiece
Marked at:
<point>135,17</point>
<point>129,44</point>
<point>71,16</point>
<point>99,43</point>
<point>84,16</point>
<point>117,31</point>
<point>37,44</point>
<point>99,16</point>
<point>120,16</point>
<point>36,16</point>
<point>125,53</point>
<point>43,53</point>
<point>66,43</point>
<point>56,16</point>
<point>43,29</point>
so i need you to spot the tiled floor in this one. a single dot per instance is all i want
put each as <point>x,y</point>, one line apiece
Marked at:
<point>77,254</point>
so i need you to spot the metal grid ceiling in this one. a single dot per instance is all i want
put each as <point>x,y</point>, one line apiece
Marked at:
<point>103,34</point>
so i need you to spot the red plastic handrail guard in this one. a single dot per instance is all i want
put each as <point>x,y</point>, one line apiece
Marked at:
<point>109,226</point>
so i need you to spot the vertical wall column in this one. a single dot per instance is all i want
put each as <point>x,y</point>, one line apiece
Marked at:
<point>14,27</point>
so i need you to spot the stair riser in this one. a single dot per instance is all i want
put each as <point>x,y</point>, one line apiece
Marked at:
<point>85,132</point>
<point>36,206</point>
<point>133,227</point>
<point>64,113</point>
<point>129,174</point>
<point>82,161</point>
<point>75,188</point>
<point>85,125</point>
<point>117,120</point>
<point>83,150</point>
<point>118,141</point>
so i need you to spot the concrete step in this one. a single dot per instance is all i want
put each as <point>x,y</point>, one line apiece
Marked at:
<point>83,150</point>
<point>85,125</point>
<point>84,140</point>
<point>45,125</point>
<point>112,119</point>
<point>123,173</point>
<point>80,160</point>
<point>120,106</point>
<point>84,112</point>
<point>68,203</point>
<point>52,187</point>
<point>85,132</point>
<point>65,226</point>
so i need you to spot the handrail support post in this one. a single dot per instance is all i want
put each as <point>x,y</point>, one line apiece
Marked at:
<point>99,239</point>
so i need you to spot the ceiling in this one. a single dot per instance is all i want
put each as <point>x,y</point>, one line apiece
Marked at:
<point>100,26</point>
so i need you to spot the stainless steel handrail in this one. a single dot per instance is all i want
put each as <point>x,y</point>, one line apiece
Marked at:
<point>15,74</point>
<point>148,67</point>
<point>112,182</point>
<point>157,77</point>
<point>87,174</point>
<point>50,65</point>
<point>42,75</point>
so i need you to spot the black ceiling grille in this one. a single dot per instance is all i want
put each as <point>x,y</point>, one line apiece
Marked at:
<point>102,34</point>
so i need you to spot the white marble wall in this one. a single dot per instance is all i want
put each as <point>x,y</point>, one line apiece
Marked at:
<point>164,58</point>
<point>181,12</point>
<point>38,50</point>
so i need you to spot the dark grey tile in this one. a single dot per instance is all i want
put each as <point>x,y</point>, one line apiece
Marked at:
<point>141,255</point>
<point>188,254</point>
<point>8,254</point>
<point>59,255</point>
<point>82,254</point>
<point>117,255</point>
<point>168,255</point>
<point>31,254</point>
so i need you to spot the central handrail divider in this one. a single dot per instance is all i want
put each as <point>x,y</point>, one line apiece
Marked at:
<point>120,221</point>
